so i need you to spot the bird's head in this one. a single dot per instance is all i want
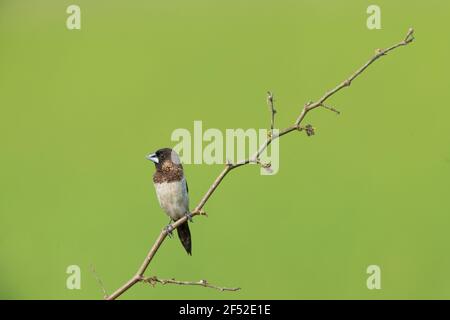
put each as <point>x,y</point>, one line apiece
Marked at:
<point>165,157</point>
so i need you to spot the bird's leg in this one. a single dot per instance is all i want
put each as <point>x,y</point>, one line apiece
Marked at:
<point>169,229</point>
<point>189,216</point>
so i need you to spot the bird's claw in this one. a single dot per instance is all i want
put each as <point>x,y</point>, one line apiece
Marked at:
<point>189,216</point>
<point>169,229</point>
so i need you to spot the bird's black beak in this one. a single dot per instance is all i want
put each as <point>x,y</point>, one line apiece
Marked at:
<point>152,157</point>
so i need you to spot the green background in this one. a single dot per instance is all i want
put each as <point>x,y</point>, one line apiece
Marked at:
<point>79,110</point>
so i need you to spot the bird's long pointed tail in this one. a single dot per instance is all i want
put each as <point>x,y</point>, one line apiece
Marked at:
<point>185,237</point>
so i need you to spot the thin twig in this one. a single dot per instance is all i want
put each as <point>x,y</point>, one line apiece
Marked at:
<point>203,283</point>
<point>100,282</point>
<point>272,110</point>
<point>331,109</point>
<point>253,159</point>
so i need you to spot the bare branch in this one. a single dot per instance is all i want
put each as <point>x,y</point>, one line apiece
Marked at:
<point>346,83</point>
<point>203,283</point>
<point>409,36</point>
<point>272,110</point>
<point>254,159</point>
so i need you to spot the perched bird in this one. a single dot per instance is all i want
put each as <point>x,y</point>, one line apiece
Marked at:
<point>172,191</point>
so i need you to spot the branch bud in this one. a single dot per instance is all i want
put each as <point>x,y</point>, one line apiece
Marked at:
<point>310,130</point>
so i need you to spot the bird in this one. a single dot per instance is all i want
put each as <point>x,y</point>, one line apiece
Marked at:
<point>172,192</point>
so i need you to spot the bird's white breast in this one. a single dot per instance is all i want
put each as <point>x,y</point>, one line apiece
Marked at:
<point>173,198</point>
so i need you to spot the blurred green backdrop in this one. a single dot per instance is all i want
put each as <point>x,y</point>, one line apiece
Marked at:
<point>79,110</point>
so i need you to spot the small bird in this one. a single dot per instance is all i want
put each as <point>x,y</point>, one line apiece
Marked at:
<point>172,192</point>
